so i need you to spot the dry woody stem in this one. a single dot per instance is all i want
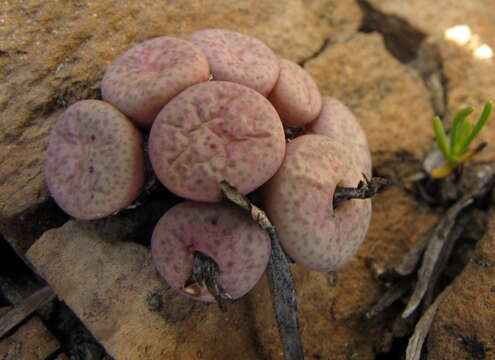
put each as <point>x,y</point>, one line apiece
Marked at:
<point>23,310</point>
<point>416,341</point>
<point>205,272</point>
<point>440,235</point>
<point>279,276</point>
<point>365,189</point>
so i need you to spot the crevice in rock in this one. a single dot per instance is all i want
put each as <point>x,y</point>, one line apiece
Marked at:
<point>410,46</point>
<point>322,48</point>
<point>22,230</point>
<point>430,67</point>
<point>401,38</point>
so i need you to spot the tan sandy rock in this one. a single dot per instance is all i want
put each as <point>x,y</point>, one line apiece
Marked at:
<point>32,341</point>
<point>435,17</point>
<point>388,98</point>
<point>463,324</point>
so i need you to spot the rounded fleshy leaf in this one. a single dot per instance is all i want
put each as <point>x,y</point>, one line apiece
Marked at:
<point>222,231</point>
<point>238,58</point>
<point>295,95</point>
<point>338,123</point>
<point>216,131</point>
<point>95,163</point>
<point>299,201</point>
<point>142,80</point>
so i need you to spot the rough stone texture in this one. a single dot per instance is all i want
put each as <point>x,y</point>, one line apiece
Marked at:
<point>32,341</point>
<point>110,285</point>
<point>389,99</point>
<point>332,306</point>
<point>53,53</point>
<point>114,289</point>
<point>463,325</point>
<point>433,18</point>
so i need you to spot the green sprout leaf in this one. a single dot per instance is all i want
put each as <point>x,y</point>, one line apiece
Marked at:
<point>455,149</point>
<point>442,141</point>
<point>457,123</point>
<point>487,110</point>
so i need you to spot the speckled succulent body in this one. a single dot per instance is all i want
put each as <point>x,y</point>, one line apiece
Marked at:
<point>299,201</point>
<point>223,232</point>
<point>95,162</point>
<point>295,95</point>
<point>216,131</point>
<point>238,58</point>
<point>338,123</point>
<point>142,80</point>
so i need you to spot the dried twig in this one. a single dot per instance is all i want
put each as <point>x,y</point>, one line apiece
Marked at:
<point>364,190</point>
<point>23,310</point>
<point>443,260</point>
<point>422,328</point>
<point>441,233</point>
<point>205,273</point>
<point>279,276</point>
<point>395,292</point>
<point>407,264</point>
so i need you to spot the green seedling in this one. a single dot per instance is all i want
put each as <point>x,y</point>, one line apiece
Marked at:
<point>455,148</point>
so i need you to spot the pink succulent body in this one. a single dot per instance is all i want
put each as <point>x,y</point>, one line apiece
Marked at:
<point>339,123</point>
<point>238,58</point>
<point>299,201</point>
<point>295,95</point>
<point>142,80</point>
<point>222,231</point>
<point>216,131</point>
<point>94,164</point>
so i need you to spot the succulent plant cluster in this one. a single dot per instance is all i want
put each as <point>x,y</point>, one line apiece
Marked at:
<point>215,105</point>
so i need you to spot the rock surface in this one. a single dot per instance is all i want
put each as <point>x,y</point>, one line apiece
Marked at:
<point>113,287</point>
<point>376,87</point>
<point>32,341</point>
<point>463,325</point>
